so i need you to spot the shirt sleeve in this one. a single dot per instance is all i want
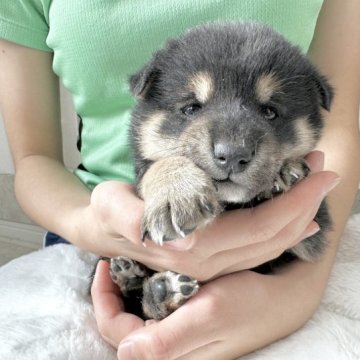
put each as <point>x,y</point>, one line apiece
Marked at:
<point>25,22</point>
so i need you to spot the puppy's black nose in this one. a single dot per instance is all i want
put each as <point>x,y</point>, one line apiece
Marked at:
<point>233,158</point>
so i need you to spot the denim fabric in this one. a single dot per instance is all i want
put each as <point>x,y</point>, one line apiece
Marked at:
<point>53,239</point>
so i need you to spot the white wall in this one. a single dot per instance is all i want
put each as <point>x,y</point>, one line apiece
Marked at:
<point>69,124</point>
<point>6,165</point>
<point>69,130</point>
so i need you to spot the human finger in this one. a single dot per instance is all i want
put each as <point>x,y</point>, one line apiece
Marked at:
<point>232,265</point>
<point>113,323</point>
<point>176,335</point>
<point>118,210</point>
<point>240,228</point>
<point>315,160</point>
<point>247,238</point>
<point>252,255</point>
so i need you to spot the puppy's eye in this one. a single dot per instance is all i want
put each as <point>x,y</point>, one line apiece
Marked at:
<point>190,110</point>
<point>269,113</point>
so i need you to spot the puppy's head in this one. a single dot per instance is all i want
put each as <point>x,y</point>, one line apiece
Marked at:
<point>236,99</point>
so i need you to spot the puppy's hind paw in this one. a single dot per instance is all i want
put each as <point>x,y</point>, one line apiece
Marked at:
<point>165,292</point>
<point>128,274</point>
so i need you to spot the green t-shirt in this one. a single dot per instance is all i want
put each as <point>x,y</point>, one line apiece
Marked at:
<point>98,44</point>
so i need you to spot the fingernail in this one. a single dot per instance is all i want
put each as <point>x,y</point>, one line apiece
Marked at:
<point>331,186</point>
<point>182,244</point>
<point>306,234</point>
<point>312,231</point>
<point>318,161</point>
<point>150,322</point>
<point>126,351</point>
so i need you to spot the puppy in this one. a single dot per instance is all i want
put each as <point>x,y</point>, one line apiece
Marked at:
<point>225,115</point>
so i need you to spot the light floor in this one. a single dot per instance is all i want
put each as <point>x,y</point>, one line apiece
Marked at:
<point>11,249</point>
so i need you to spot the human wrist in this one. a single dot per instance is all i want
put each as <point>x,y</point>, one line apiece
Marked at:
<point>108,221</point>
<point>305,284</point>
<point>79,224</point>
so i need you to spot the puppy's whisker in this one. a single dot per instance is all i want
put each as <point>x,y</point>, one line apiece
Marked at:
<point>292,77</point>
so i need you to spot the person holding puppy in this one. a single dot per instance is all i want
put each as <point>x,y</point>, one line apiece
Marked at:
<point>98,210</point>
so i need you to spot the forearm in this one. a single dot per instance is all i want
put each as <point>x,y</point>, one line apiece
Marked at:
<point>342,154</point>
<point>51,195</point>
<point>335,49</point>
<point>29,100</point>
<point>297,290</point>
<point>341,145</point>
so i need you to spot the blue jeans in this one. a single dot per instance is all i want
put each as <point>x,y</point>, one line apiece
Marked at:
<point>53,239</point>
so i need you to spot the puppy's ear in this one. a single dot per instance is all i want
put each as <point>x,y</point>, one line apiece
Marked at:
<point>142,81</point>
<point>325,90</point>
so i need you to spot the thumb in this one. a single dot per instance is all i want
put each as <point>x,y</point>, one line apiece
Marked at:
<point>175,336</point>
<point>118,209</point>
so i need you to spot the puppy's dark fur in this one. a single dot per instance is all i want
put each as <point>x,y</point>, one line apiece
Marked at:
<point>225,115</point>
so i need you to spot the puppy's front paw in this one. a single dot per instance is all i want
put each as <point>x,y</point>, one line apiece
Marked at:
<point>127,274</point>
<point>177,200</point>
<point>291,172</point>
<point>165,292</point>
<point>179,212</point>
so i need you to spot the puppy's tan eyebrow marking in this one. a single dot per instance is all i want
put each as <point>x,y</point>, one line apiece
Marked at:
<point>306,137</point>
<point>202,85</point>
<point>153,144</point>
<point>266,85</point>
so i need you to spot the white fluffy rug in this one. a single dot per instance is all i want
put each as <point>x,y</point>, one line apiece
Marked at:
<point>45,312</point>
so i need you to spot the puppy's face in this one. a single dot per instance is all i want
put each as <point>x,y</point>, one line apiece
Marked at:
<point>236,99</point>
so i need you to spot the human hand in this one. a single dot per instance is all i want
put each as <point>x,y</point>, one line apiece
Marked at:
<point>175,336</point>
<point>209,326</point>
<point>110,223</point>
<point>265,231</point>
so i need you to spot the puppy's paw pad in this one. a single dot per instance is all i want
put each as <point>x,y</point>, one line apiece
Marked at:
<point>165,292</point>
<point>187,286</point>
<point>121,264</point>
<point>127,267</point>
<point>127,273</point>
<point>179,288</point>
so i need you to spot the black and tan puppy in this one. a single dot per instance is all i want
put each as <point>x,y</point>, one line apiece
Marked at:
<point>225,115</point>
